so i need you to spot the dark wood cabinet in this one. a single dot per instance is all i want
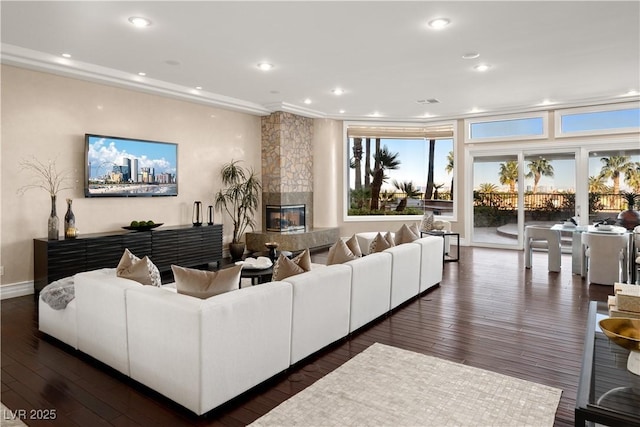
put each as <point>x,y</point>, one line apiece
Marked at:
<point>187,246</point>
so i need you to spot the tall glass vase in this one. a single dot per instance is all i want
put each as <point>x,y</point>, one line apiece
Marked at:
<point>54,222</point>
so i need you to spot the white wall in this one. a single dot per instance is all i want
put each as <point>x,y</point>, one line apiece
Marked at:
<point>46,116</point>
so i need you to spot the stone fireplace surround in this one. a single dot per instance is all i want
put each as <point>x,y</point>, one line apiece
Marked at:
<point>287,179</point>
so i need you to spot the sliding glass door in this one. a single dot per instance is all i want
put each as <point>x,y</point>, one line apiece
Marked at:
<point>511,191</point>
<point>495,200</point>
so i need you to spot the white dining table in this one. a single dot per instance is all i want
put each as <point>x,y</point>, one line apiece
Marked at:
<point>578,257</point>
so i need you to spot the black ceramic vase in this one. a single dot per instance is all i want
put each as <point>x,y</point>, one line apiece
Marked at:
<point>236,250</point>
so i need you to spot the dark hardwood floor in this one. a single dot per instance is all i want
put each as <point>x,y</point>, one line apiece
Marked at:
<point>489,312</point>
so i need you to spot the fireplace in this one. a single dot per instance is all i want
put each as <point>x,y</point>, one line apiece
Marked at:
<point>285,218</point>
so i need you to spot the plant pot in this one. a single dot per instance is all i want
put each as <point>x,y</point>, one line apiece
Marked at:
<point>629,219</point>
<point>236,250</point>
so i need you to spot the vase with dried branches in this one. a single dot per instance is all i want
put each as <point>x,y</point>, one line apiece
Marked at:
<point>47,177</point>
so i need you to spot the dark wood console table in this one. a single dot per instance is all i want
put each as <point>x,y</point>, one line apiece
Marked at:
<point>187,246</point>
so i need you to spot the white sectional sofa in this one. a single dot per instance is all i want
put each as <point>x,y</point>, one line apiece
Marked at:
<point>202,353</point>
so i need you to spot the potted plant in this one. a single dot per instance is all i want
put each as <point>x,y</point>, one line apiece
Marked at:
<point>239,198</point>
<point>630,218</point>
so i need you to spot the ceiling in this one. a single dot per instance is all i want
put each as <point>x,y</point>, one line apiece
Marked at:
<point>381,53</point>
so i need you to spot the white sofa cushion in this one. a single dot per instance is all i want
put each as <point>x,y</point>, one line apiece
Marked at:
<point>370,288</point>
<point>60,324</point>
<point>102,318</point>
<point>405,272</point>
<point>321,303</point>
<point>431,260</point>
<point>201,353</point>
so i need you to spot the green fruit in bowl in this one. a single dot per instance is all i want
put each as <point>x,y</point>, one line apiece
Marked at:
<point>134,224</point>
<point>142,223</point>
<point>150,222</point>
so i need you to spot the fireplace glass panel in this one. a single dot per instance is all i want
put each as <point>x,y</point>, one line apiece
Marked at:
<point>285,218</point>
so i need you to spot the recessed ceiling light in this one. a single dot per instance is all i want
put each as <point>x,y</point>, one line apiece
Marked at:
<point>199,87</point>
<point>66,55</point>
<point>307,101</point>
<point>439,23</point>
<point>470,55</point>
<point>375,114</point>
<point>475,110</point>
<point>265,66</point>
<point>142,74</point>
<point>337,91</point>
<point>632,93</point>
<point>546,102</point>
<point>139,21</point>
<point>482,67</point>
<point>341,111</point>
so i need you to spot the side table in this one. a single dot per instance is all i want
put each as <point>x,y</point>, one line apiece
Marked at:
<point>607,390</point>
<point>444,234</point>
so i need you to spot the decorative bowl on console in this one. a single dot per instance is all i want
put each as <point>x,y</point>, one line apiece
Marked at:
<point>626,333</point>
<point>142,227</point>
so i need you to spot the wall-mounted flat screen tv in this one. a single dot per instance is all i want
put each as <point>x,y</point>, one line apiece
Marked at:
<point>126,167</point>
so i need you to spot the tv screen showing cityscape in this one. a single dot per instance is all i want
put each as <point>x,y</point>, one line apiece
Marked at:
<point>125,167</point>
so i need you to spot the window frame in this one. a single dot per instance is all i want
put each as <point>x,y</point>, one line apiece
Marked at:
<point>346,156</point>
<point>619,106</point>
<point>544,115</point>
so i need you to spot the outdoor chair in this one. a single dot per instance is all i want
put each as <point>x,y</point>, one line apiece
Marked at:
<point>539,237</point>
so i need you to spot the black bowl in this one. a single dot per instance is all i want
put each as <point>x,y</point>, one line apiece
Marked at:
<point>143,227</point>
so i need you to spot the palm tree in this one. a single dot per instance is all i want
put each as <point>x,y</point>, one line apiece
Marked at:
<point>597,185</point>
<point>429,191</point>
<point>537,169</point>
<point>384,160</point>
<point>367,163</point>
<point>410,192</point>
<point>487,187</point>
<point>449,169</point>
<point>386,197</point>
<point>509,174</point>
<point>632,177</point>
<point>612,168</point>
<point>357,161</point>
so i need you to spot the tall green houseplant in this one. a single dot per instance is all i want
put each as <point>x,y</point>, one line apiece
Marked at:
<point>239,198</point>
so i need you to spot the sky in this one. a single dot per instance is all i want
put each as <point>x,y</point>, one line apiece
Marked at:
<point>106,152</point>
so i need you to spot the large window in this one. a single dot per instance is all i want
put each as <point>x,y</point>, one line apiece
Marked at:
<point>400,170</point>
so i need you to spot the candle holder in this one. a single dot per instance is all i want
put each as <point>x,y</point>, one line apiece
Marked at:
<point>272,246</point>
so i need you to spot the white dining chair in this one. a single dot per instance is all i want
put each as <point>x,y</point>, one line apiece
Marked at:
<point>539,237</point>
<point>606,256</point>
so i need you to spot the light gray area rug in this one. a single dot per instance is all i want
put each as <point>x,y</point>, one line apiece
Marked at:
<point>10,418</point>
<point>388,386</point>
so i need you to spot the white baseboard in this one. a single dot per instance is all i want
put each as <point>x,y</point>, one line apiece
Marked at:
<point>14,290</point>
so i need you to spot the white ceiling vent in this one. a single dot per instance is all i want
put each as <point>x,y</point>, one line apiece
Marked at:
<point>428,101</point>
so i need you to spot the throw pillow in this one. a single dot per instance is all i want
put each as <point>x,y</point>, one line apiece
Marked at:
<point>405,235</point>
<point>378,244</point>
<point>204,284</point>
<point>354,246</point>
<point>415,230</point>
<point>427,221</point>
<point>340,253</point>
<point>141,270</point>
<point>389,238</point>
<point>285,267</point>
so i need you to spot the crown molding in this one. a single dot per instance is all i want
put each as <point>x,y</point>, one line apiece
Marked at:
<point>39,61</point>
<point>295,109</point>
